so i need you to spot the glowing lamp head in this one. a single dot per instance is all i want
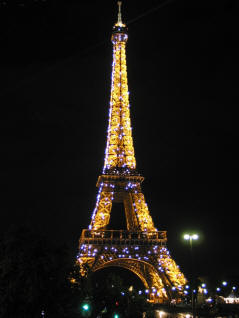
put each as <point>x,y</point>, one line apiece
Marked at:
<point>195,236</point>
<point>191,236</point>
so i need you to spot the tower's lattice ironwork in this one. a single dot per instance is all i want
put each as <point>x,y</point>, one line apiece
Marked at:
<point>140,248</point>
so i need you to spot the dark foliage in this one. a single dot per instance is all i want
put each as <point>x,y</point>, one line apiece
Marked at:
<point>34,276</point>
<point>112,295</point>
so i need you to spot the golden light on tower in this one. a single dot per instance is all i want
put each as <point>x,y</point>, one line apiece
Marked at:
<point>140,248</point>
<point>119,150</point>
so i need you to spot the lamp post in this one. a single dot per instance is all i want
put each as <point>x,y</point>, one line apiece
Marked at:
<point>190,238</point>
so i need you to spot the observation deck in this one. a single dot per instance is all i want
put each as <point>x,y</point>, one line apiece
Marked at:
<point>123,237</point>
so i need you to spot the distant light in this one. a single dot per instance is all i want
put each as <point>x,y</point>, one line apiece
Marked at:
<point>234,288</point>
<point>195,236</point>
<point>185,292</point>
<point>203,285</point>
<point>218,289</point>
<point>209,300</point>
<point>173,288</point>
<point>140,292</point>
<point>122,293</point>
<point>205,291</point>
<point>186,236</point>
<point>187,287</point>
<point>146,290</point>
<point>86,307</point>
<point>191,236</point>
<point>224,283</point>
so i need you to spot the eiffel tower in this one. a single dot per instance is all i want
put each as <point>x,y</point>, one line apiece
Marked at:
<point>140,248</point>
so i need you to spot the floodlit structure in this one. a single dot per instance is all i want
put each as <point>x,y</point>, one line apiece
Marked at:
<point>140,248</point>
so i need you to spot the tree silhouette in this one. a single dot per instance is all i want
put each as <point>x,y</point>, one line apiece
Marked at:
<point>34,276</point>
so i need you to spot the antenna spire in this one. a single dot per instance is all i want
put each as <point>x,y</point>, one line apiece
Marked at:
<point>119,12</point>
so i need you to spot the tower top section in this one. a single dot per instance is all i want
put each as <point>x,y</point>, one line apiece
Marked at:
<point>119,13</point>
<point>119,153</point>
<point>119,27</point>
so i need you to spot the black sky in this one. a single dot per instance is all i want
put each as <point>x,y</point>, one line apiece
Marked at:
<point>183,78</point>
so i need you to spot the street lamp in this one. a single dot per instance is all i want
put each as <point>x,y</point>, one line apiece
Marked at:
<point>190,238</point>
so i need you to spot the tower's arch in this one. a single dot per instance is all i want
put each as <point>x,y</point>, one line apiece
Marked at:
<point>124,265</point>
<point>146,272</point>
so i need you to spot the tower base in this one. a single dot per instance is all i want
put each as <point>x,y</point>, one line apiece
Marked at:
<point>144,254</point>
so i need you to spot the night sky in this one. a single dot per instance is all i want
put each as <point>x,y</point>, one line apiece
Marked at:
<point>182,59</point>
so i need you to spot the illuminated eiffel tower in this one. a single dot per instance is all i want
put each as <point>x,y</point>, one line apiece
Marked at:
<point>140,248</point>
